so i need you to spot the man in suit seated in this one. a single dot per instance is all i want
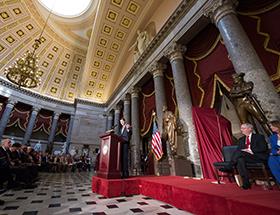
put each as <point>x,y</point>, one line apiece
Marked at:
<point>252,148</point>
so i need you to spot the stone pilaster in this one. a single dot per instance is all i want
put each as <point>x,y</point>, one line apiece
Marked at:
<point>6,115</point>
<point>127,108</point>
<point>30,125</point>
<point>69,133</point>
<point>243,55</point>
<point>53,128</point>
<point>117,119</point>
<point>135,143</point>
<point>183,96</point>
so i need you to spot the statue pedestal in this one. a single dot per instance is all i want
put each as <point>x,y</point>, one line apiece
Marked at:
<point>183,167</point>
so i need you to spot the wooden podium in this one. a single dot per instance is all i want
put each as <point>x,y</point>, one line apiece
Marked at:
<point>110,156</point>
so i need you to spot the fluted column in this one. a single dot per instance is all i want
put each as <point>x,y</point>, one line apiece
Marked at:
<point>183,96</point>
<point>117,119</point>
<point>110,121</point>
<point>6,115</point>
<point>127,108</point>
<point>135,143</point>
<point>69,133</point>
<point>53,127</point>
<point>30,126</point>
<point>243,55</point>
<point>157,70</point>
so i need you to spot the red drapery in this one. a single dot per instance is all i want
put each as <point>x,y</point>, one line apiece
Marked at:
<point>170,89</point>
<point>62,125</point>
<point>206,59</point>
<point>146,106</point>
<point>19,117</point>
<point>211,137</point>
<point>43,122</point>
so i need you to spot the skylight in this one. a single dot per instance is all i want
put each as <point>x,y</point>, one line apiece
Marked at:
<point>67,8</point>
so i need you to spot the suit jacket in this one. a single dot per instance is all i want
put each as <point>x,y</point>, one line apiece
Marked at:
<point>4,158</point>
<point>258,146</point>
<point>273,142</point>
<point>125,134</point>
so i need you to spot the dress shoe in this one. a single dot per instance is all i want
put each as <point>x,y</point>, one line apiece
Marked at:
<point>246,186</point>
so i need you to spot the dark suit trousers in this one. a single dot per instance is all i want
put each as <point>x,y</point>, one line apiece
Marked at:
<point>125,160</point>
<point>240,159</point>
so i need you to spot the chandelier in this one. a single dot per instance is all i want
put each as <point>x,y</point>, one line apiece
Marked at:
<point>25,71</point>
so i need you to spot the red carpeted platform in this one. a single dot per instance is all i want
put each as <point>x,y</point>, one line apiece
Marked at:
<point>195,196</point>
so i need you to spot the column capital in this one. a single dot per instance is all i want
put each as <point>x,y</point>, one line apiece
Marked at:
<point>11,102</point>
<point>135,92</point>
<point>35,110</point>
<point>217,9</point>
<point>56,115</point>
<point>157,69</point>
<point>127,98</point>
<point>118,108</point>
<point>175,51</point>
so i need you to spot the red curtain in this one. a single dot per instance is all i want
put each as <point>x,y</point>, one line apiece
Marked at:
<point>211,137</point>
<point>206,63</point>
<point>43,122</point>
<point>62,125</point>
<point>19,117</point>
<point>170,89</point>
<point>264,34</point>
<point>146,106</point>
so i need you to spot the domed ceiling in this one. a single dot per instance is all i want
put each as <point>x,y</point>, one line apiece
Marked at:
<point>81,56</point>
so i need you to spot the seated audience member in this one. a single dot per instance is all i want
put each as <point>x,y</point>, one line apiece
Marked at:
<point>274,158</point>
<point>5,164</point>
<point>252,149</point>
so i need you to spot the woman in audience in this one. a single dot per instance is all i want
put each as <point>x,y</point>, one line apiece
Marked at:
<point>274,158</point>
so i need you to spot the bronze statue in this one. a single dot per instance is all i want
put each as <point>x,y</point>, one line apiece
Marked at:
<point>170,129</point>
<point>245,103</point>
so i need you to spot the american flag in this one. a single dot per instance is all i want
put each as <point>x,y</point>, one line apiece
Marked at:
<point>156,142</point>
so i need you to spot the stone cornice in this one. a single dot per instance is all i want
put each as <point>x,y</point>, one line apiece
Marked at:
<point>90,103</point>
<point>171,23</point>
<point>32,94</point>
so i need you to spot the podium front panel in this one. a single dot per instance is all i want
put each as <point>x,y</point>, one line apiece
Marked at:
<point>109,164</point>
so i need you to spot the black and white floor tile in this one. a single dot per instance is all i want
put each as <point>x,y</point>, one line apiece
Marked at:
<point>70,193</point>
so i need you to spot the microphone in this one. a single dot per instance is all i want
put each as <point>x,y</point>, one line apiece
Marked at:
<point>114,126</point>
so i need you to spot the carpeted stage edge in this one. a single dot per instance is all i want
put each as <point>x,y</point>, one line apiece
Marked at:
<point>195,196</point>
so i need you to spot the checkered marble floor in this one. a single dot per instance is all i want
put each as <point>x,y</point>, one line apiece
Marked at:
<point>70,193</point>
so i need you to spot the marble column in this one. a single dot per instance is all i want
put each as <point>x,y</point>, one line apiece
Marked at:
<point>157,70</point>
<point>6,115</point>
<point>53,127</point>
<point>243,55</point>
<point>69,133</point>
<point>117,119</point>
<point>127,108</point>
<point>110,121</point>
<point>30,126</point>
<point>135,142</point>
<point>183,96</point>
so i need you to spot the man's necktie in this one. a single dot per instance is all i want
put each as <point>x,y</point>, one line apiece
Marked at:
<point>247,144</point>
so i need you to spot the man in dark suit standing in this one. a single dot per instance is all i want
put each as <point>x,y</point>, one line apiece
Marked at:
<point>125,134</point>
<point>252,148</point>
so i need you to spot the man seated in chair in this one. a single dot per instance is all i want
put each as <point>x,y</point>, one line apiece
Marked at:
<point>252,148</point>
